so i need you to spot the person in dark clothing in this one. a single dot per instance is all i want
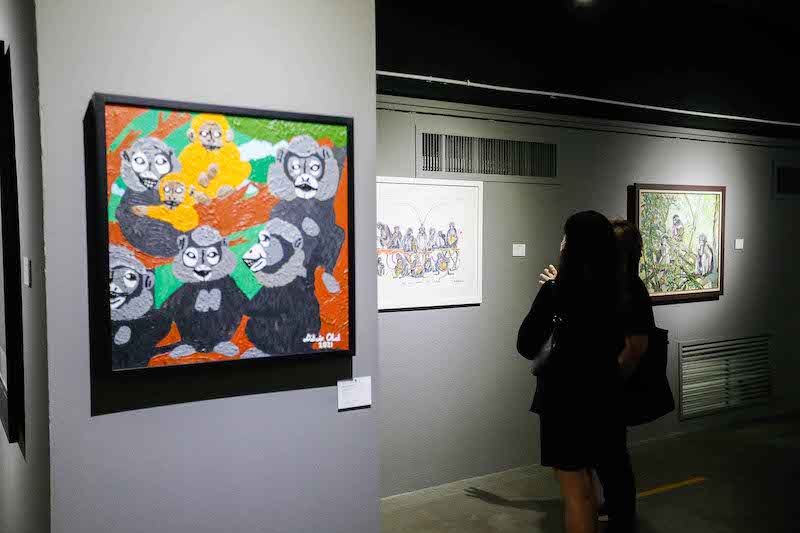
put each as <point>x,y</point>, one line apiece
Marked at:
<point>614,470</point>
<point>579,391</point>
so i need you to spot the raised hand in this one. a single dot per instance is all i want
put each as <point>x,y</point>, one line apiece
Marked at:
<point>549,274</point>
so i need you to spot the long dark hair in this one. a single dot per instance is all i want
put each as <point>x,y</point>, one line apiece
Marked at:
<point>588,279</point>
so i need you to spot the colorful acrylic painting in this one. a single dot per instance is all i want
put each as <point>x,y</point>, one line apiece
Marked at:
<point>683,233</point>
<point>429,243</point>
<point>227,233</point>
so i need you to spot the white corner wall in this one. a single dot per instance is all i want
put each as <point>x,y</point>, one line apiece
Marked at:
<point>24,467</point>
<point>282,462</point>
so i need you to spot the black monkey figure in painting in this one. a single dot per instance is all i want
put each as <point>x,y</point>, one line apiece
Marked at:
<point>285,310</point>
<point>209,306</point>
<point>305,177</point>
<point>136,327</point>
<point>144,164</point>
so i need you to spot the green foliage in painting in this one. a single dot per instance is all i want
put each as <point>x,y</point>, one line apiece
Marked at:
<point>279,130</point>
<point>680,234</point>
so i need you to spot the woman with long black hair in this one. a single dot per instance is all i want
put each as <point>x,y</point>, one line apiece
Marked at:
<point>578,390</point>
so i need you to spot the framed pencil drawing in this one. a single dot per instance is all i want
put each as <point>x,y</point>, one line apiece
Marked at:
<point>683,237</point>
<point>429,243</point>
<point>219,237</point>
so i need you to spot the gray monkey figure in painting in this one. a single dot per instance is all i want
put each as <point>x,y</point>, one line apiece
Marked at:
<point>144,164</point>
<point>452,236</point>
<point>408,241</point>
<point>209,306</point>
<point>397,239</point>
<point>285,309</point>
<point>136,327</point>
<point>305,177</point>
<point>381,267</point>
<point>705,257</point>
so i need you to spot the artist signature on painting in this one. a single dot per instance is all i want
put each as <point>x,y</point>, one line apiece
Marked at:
<point>323,342</point>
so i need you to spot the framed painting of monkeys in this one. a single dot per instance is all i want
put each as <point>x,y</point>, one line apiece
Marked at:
<point>220,238</point>
<point>683,240</point>
<point>12,396</point>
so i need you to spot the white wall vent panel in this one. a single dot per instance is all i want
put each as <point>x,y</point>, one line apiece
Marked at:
<point>722,375</point>
<point>441,155</point>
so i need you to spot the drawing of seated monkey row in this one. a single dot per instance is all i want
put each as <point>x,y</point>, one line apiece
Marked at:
<point>418,265</point>
<point>158,216</point>
<point>431,239</point>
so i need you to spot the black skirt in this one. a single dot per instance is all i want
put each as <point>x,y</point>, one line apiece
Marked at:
<point>572,443</point>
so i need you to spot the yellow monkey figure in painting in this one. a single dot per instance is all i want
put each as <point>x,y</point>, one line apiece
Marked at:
<point>212,162</point>
<point>177,205</point>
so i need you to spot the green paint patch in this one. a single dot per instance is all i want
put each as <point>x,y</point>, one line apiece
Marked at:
<point>166,284</point>
<point>239,138</point>
<point>242,275</point>
<point>178,139</point>
<point>260,169</point>
<point>279,130</point>
<point>146,123</point>
<point>113,203</point>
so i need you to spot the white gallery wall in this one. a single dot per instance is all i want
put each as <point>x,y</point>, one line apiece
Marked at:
<point>281,462</point>
<point>24,467</point>
<point>455,395</point>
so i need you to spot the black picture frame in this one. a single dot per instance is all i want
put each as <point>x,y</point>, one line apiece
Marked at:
<point>12,394</point>
<point>634,192</point>
<point>128,389</point>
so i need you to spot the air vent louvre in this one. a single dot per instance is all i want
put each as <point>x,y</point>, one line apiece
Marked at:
<point>478,155</point>
<point>722,375</point>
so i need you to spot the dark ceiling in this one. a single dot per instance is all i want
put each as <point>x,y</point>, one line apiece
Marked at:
<point>734,57</point>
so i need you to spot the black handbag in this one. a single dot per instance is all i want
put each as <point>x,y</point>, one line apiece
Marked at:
<point>545,354</point>
<point>647,394</point>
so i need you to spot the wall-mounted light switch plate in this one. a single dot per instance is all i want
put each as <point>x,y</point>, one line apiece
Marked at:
<point>739,244</point>
<point>518,249</point>
<point>26,271</point>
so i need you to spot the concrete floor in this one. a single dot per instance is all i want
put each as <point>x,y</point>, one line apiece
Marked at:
<point>743,480</point>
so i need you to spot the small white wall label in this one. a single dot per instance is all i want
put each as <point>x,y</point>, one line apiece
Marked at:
<point>739,244</point>
<point>26,272</point>
<point>518,249</point>
<point>355,393</point>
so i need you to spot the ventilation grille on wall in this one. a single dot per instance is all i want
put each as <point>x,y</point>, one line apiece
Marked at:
<point>787,181</point>
<point>477,155</point>
<point>722,375</point>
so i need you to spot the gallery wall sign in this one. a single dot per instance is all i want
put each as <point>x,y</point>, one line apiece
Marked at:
<point>429,243</point>
<point>12,397</point>
<point>218,236</point>
<point>683,236</point>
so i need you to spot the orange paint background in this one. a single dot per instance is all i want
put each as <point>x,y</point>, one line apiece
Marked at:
<point>230,215</point>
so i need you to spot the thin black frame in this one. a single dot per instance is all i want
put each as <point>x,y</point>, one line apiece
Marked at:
<point>633,216</point>
<point>12,393</point>
<point>127,389</point>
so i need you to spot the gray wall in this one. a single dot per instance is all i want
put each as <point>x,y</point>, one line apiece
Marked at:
<point>284,462</point>
<point>460,410</point>
<point>25,479</point>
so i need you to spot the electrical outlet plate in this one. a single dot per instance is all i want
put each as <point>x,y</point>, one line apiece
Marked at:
<point>518,249</point>
<point>739,244</point>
